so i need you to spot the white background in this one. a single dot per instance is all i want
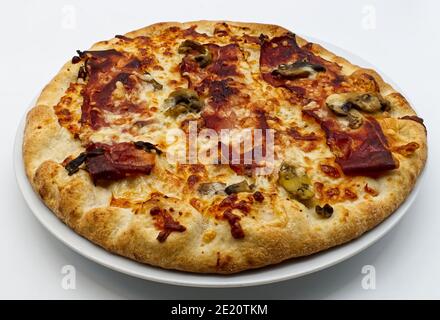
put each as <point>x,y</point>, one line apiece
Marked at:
<point>37,37</point>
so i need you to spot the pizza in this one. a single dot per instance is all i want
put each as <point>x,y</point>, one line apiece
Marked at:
<point>217,147</point>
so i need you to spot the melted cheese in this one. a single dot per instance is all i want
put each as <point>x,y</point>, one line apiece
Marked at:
<point>281,114</point>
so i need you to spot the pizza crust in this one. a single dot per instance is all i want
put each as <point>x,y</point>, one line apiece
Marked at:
<point>207,247</point>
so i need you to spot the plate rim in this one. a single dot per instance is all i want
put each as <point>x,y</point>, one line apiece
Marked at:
<point>261,276</point>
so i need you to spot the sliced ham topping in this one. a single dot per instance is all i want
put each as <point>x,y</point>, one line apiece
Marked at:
<point>284,50</point>
<point>279,50</point>
<point>242,163</point>
<point>218,121</point>
<point>359,152</point>
<point>295,134</point>
<point>223,65</point>
<point>219,82</point>
<point>367,151</point>
<point>118,161</point>
<point>104,69</point>
<point>221,93</point>
<point>363,151</point>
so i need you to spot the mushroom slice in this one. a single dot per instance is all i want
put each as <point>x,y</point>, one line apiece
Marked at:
<point>339,103</point>
<point>297,185</point>
<point>203,58</point>
<point>147,146</point>
<point>149,79</point>
<point>188,45</point>
<point>242,186</point>
<point>73,165</point>
<point>355,119</point>
<point>342,103</point>
<point>370,102</point>
<point>298,69</point>
<point>211,188</point>
<point>324,212</point>
<point>183,101</point>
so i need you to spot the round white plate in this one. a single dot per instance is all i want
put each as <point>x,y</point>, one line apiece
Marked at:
<point>287,270</point>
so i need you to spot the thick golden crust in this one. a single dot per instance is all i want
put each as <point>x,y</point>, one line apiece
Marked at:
<point>282,228</point>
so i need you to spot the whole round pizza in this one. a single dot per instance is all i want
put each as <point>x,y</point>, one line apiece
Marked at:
<point>217,147</point>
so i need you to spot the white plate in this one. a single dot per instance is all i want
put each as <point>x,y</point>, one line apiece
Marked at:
<point>286,270</point>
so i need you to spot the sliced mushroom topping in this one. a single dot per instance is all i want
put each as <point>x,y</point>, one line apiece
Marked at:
<point>149,79</point>
<point>298,69</point>
<point>147,146</point>
<point>342,103</point>
<point>355,119</point>
<point>78,58</point>
<point>348,104</point>
<point>297,185</point>
<point>325,212</point>
<point>188,45</point>
<point>82,71</point>
<point>73,165</point>
<point>339,104</point>
<point>370,102</point>
<point>211,188</point>
<point>183,101</point>
<point>203,58</point>
<point>242,186</point>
